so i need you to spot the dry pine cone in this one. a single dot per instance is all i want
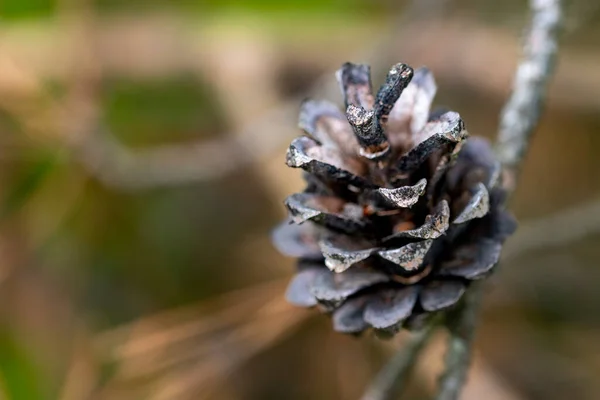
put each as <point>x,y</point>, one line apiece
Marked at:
<point>401,212</point>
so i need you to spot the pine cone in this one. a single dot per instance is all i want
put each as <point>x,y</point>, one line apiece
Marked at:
<point>401,212</point>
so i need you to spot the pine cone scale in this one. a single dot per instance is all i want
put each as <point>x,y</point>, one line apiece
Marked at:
<point>390,308</point>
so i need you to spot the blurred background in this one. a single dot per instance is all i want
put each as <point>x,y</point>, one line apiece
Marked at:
<point>142,167</point>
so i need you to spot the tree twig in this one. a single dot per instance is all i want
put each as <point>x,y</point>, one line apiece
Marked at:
<point>519,118</point>
<point>522,110</point>
<point>577,222</point>
<point>392,378</point>
<point>461,324</point>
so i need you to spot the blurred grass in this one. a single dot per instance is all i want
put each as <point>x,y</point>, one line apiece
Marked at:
<point>20,379</point>
<point>27,9</point>
<point>243,5</point>
<point>153,112</point>
<point>26,183</point>
<point>19,9</point>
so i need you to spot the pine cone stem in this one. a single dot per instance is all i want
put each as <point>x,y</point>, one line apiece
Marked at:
<point>461,323</point>
<point>391,380</point>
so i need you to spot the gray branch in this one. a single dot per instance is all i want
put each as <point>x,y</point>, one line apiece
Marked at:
<point>461,323</point>
<point>392,378</point>
<point>522,111</point>
<point>519,118</point>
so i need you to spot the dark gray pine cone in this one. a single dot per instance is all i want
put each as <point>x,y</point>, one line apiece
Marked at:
<point>401,212</point>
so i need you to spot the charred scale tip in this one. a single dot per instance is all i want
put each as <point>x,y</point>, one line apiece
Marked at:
<point>396,81</point>
<point>355,83</point>
<point>370,136</point>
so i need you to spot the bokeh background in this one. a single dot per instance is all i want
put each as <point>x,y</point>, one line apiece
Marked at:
<point>142,167</point>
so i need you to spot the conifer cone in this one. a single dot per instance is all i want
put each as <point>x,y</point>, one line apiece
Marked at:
<point>400,213</point>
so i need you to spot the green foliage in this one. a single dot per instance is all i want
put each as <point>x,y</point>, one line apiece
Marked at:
<point>154,111</point>
<point>19,376</point>
<point>247,5</point>
<point>18,9</point>
<point>26,182</point>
